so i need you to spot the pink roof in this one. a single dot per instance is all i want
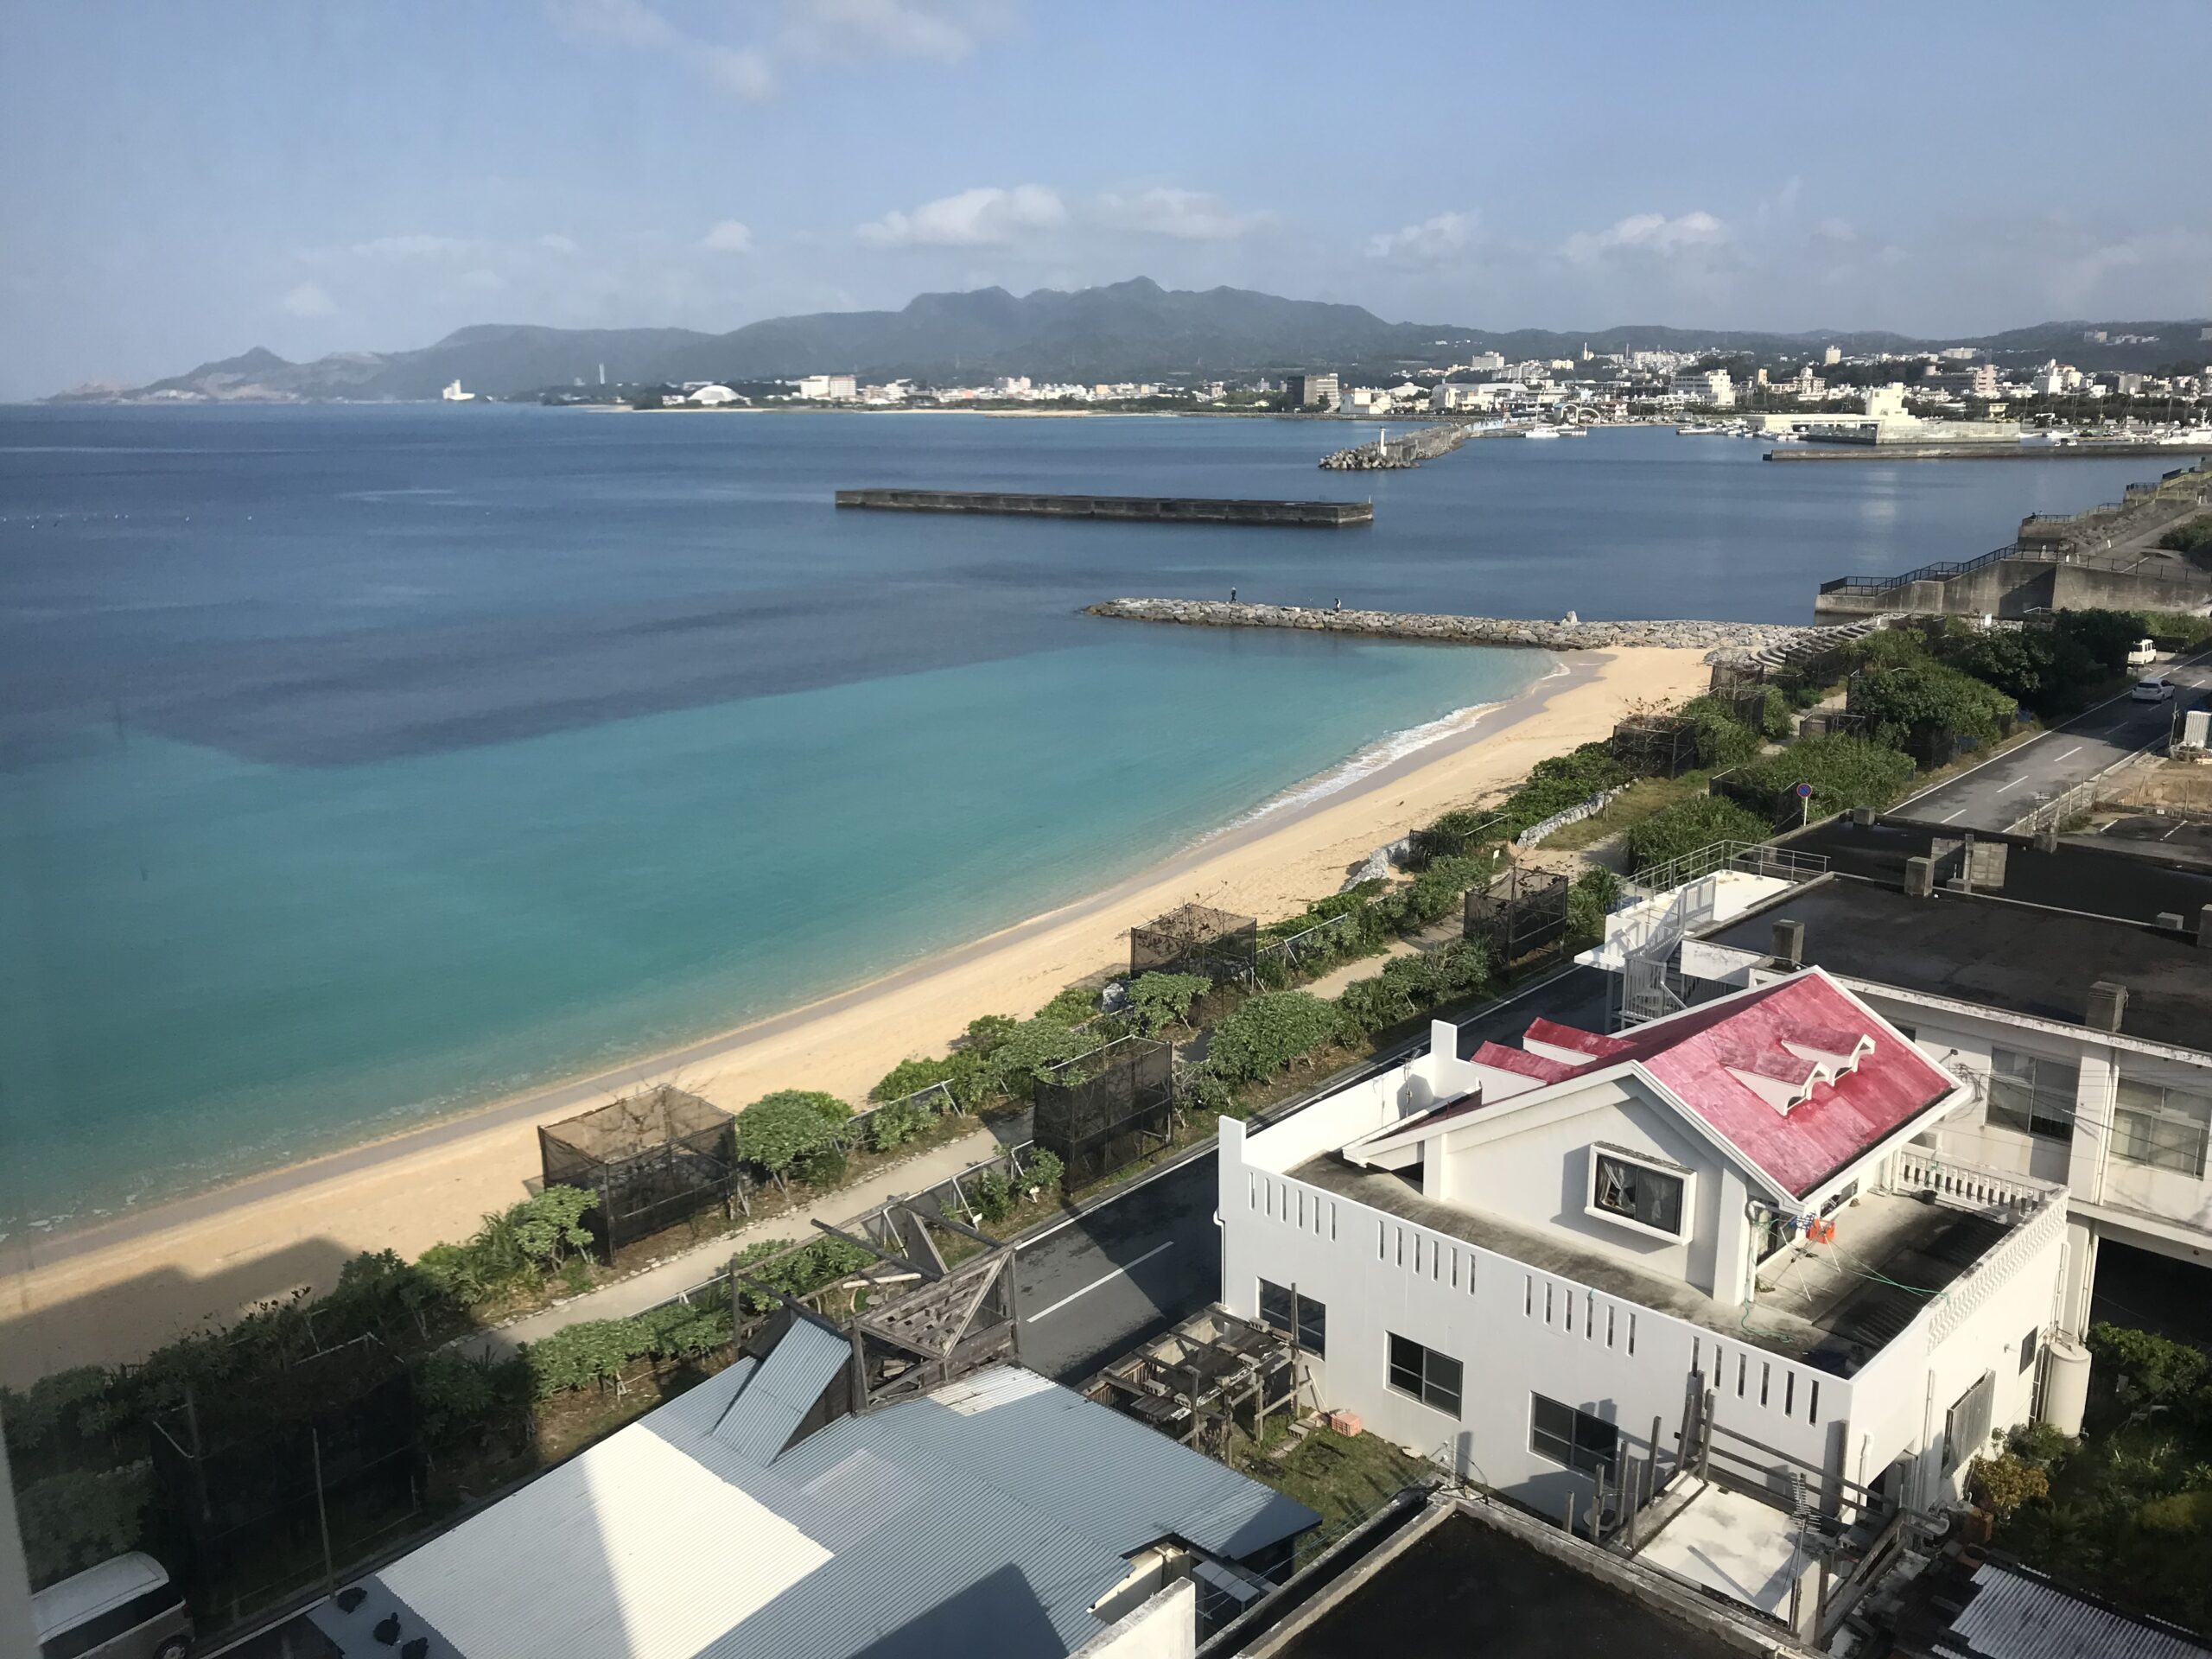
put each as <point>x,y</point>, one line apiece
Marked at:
<point>1697,1055</point>
<point>1539,1066</point>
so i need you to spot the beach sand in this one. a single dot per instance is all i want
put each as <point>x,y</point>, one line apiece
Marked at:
<point>113,1290</point>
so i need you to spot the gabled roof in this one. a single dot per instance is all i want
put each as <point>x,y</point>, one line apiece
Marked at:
<point>1797,1078</point>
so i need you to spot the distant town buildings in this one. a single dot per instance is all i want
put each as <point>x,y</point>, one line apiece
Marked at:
<point>1833,356</point>
<point>828,388</point>
<point>1309,390</point>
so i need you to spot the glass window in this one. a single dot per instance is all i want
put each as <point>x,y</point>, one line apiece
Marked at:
<point>2028,1349</point>
<point>2031,1094</point>
<point>2163,1127</point>
<point>1571,1437</point>
<point>1630,1190</point>
<point>1432,1378</point>
<point>1312,1318</point>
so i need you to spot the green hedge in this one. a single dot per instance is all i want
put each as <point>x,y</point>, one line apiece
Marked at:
<point>1409,986</point>
<point>1687,826</point>
<point>1844,772</point>
<point>1267,1032</point>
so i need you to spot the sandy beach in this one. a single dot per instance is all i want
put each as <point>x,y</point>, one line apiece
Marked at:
<point>111,1291</point>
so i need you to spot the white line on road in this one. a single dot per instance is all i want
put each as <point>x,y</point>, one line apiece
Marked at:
<point>2015,783</point>
<point>2076,749</point>
<point>1955,814</point>
<point>1047,1312</point>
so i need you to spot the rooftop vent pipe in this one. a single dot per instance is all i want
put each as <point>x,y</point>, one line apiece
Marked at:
<point>1789,943</point>
<point>2108,1005</point>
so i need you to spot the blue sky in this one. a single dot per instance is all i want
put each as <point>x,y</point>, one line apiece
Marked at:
<point>188,179</point>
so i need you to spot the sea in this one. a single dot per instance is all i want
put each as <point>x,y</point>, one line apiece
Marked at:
<point>358,765</point>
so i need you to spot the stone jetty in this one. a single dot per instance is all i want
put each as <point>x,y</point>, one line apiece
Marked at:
<point>1569,635</point>
<point>1387,453</point>
<point>1142,508</point>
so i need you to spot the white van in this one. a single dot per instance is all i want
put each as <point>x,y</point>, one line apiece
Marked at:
<point>122,1609</point>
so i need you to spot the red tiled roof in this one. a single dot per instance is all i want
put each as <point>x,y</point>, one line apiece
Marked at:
<point>1695,1055</point>
<point>1552,1033</point>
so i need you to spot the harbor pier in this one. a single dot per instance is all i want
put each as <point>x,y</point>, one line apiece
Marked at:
<point>1146,509</point>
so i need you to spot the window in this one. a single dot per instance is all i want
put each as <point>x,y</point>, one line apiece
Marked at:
<point>1571,1437</point>
<point>1639,1192</point>
<point>1965,1426</point>
<point>1430,1377</point>
<point>2028,1349</point>
<point>2163,1127</point>
<point>2032,1095</point>
<point>1310,1317</point>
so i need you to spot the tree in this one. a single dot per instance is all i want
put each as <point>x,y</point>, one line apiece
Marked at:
<point>1907,707</point>
<point>1159,1001</point>
<point>1683,828</point>
<point>550,1224</point>
<point>778,1130</point>
<point>1267,1032</point>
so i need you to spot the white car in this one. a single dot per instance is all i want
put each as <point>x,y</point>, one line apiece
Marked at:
<point>2152,689</point>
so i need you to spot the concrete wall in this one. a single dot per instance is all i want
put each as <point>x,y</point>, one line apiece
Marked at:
<point>1165,1627</point>
<point>2012,587</point>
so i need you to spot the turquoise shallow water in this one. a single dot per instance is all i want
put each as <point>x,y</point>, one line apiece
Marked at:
<point>357,763</point>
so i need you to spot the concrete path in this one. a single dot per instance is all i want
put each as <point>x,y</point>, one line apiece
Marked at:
<point>670,1278</point>
<point>1332,983</point>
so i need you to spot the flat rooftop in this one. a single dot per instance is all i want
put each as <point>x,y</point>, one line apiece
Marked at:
<point>2011,956</point>
<point>2133,882</point>
<point>1809,1307</point>
<point>1465,1587</point>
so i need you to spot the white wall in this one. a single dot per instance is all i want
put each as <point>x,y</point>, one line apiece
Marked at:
<point>1165,1627</point>
<point>1513,1329</point>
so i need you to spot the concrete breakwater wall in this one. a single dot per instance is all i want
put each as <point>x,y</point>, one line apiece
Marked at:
<point>2091,450</point>
<point>1152,509</point>
<point>1456,630</point>
<point>1387,453</point>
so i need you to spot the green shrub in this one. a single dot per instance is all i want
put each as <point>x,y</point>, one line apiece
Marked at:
<point>76,1520</point>
<point>1072,1007</point>
<point>1562,781</point>
<point>1044,1171</point>
<point>1594,893</point>
<point>2182,1512</point>
<point>1683,828</point>
<point>2190,535</point>
<point>894,1125</point>
<point>778,1130</point>
<point>911,1078</point>
<point>2175,630</point>
<point>1159,1001</point>
<point>1844,772</point>
<point>821,1261</point>
<point>1029,1046</point>
<point>2106,637</point>
<point>681,1330</point>
<point>993,1196</point>
<point>1269,1032</point>
<point>1909,706</point>
<point>590,1353</point>
<point>456,1395</point>
<point>1722,740</point>
<point>823,1168</point>
<point>2004,1483</point>
<point>2155,1368</point>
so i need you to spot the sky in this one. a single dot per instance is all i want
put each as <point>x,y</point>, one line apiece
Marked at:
<point>190,178</point>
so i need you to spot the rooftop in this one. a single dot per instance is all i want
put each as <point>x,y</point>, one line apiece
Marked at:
<point>2006,954</point>
<point>988,1515</point>
<point>1815,1304</point>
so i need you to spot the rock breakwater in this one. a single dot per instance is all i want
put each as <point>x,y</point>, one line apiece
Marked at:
<point>1571,635</point>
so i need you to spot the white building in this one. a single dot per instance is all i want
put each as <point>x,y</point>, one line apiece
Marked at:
<point>828,388</point>
<point>1525,1262</point>
<point>454,394</point>
<point>713,397</point>
<point>1458,394</point>
<point>1706,386</point>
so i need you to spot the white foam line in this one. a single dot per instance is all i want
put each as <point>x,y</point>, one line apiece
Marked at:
<point>1047,1312</point>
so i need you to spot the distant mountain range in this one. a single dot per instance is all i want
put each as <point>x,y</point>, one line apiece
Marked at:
<point>1132,330</point>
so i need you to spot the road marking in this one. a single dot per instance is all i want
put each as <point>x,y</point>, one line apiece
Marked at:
<point>1955,814</point>
<point>1047,1312</point>
<point>2015,783</point>
<point>2076,749</point>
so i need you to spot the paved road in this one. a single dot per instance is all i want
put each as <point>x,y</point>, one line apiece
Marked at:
<point>2002,790</point>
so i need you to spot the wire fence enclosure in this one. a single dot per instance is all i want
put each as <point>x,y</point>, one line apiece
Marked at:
<point>649,1161</point>
<point>1195,939</point>
<point>1106,1109</point>
<point>1282,959</point>
<point>1656,745</point>
<point>1450,837</point>
<point>257,1499</point>
<point>1518,914</point>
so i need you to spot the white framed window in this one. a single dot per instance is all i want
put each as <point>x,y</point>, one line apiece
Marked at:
<point>2029,1093</point>
<point>1635,1189</point>
<point>2164,1127</point>
<point>1431,1377</point>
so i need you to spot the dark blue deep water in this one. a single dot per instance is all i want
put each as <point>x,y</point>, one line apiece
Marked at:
<point>358,763</point>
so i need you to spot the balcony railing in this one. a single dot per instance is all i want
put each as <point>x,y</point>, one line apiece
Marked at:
<point>1970,1187</point>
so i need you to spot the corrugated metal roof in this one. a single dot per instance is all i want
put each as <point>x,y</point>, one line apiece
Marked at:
<point>2017,1614</point>
<point>986,1519</point>
<point>771,1402</point>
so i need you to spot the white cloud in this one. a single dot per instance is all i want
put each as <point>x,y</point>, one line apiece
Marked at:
<point>554,242</point>
<point>308,300</point>
<point>1431,241</point>
<point>409,247</point>
<point>731,236</point>
<point>626,22</point>
<point>902,28</point>
<point>987,216</point>
<point>742,73</point>
<point>482,280</point>
<point>1184,215</point>
<point>1648,233</point>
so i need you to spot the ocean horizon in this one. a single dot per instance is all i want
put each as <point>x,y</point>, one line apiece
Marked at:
<point>361,765</point>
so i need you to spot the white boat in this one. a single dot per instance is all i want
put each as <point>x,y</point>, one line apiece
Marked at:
<point>1700,429</point>
<point>1542,432</point>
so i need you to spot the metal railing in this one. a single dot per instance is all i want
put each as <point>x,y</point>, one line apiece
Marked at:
<point>1997,1191</point>
<point>1750,857</point>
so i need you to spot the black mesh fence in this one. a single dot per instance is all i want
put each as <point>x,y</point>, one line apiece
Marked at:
<point>1195,939</point>
<point>649,1161</point>
<point>1452,835</point>
<point>1106,1109</point>
<point>1779,807</point>
<point>1658,746</point>
<point>261,1489</point>
<point>1521,913</point>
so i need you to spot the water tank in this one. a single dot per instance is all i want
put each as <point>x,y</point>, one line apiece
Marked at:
<point>2065,1383</point>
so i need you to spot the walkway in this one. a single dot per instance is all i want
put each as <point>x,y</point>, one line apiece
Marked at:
<point>667,1279</point>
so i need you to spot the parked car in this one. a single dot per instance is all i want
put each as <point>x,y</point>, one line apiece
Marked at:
<point>2142,653</point>
<point>2152,689</point>
<point>126,1608</point>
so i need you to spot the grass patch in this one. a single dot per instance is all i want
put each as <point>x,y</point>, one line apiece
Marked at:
<point>1639,801</point>
<point>1343,1478</point>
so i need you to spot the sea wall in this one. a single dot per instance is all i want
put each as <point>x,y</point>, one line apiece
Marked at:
<point>1459,630</point>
